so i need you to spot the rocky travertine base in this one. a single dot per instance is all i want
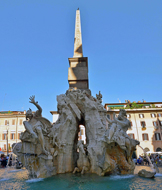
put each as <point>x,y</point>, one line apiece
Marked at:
<point>38,165</point>
<point>48,149</point>
<point>147,174</point>
<point>117,162</point>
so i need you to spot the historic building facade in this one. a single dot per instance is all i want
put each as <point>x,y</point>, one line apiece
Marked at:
<point>11,126</point>
<point>146,123</point>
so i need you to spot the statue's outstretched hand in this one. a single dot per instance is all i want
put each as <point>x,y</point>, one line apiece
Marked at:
<point>32,99</point>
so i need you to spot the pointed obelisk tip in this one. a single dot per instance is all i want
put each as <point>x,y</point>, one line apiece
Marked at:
<point>78,8</point>
<point>78,37</point>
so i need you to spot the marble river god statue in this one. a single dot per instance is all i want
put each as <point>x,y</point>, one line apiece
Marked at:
<point>48,149</point>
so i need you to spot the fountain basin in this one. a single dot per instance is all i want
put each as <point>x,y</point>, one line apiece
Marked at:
<point>20,180</point>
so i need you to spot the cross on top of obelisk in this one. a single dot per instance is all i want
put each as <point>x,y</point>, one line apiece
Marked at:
<point>78,36</point>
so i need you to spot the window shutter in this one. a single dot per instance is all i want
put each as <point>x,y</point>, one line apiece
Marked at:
<point>20,122</point>
<point>155,137</point>
<point>147,137</point>
<point>159,136</point>
<point>160,123</point>
<point>13,122</point>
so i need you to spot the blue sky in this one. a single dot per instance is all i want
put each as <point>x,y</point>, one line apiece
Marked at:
<point>122,40</point>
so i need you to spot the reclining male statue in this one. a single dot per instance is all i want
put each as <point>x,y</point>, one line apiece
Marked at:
<point>36,125</point>
<point>117,132</point>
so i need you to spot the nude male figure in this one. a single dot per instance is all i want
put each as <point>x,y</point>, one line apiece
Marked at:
<point>33,124</point>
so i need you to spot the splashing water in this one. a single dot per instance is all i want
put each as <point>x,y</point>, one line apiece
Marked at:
<point>14,171</point>
<point>4,179</point>
<point>158,175</point>
<point>34,180</point>
<point>117,177</point>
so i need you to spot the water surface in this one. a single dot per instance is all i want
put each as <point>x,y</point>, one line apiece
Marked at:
<point>18,179</point>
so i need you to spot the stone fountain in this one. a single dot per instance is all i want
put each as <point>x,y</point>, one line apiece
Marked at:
<point>49,149</point>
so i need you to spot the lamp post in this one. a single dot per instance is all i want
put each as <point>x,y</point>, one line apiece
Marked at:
<point>7,136</point>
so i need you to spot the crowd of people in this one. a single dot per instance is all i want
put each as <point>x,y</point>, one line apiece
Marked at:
<point>4,161</point>
<point>142,160</point>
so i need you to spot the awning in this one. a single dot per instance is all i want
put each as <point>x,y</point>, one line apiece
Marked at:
<point>150,152</point>
<point>115,106</point>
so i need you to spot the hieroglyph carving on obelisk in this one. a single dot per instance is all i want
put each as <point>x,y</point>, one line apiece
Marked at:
<point>78,37</point>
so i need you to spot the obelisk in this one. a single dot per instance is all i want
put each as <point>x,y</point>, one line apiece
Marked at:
<point>78,70</point>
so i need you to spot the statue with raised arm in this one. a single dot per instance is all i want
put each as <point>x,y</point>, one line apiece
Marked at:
<point>117,132</point>
<point>36,125</point>
<point>119,123</point>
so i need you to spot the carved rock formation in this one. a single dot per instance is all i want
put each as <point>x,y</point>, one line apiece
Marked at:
<point>52,149</point>
<point>146,174</point>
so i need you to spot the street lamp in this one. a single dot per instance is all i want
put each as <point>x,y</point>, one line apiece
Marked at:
<point>7,128</point>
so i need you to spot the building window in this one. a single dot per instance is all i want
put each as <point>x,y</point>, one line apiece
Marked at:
<point>131,135</point>
<point>131,124</point>
<point>146,149</point>
<point>12,136</point>
<point>157,137</point>
<point>159,114</point>
<point>4,137</point>
<point>6,122</point>
<point>145,137</point>
<point>108,116</point>
<point>128,115</point>
<point>19,135</point>
<point>20,122</point>
<point>160,123</point>
<point>143,124</point>
<point>13,122</point>
<point>153,115</point>
<point>155,124</point>
<point>158,149</point>
<point>141,115</point>
<point>5,147</point>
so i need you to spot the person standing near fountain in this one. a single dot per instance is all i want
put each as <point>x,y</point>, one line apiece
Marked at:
<point>3,161</point>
